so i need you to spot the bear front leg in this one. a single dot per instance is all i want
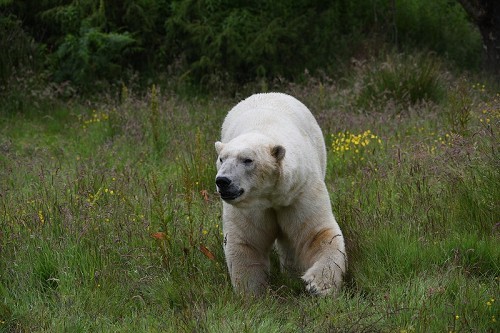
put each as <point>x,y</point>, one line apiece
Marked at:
<point>248,267</point>
<point>248,239</point>
<point>315,240</point>
<point>329,262</point>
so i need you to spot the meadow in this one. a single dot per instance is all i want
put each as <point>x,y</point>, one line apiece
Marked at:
<point>109,220</point>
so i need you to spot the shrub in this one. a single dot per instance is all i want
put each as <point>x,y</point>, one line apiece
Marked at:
<point>404,80</point>
<point>92,55</point>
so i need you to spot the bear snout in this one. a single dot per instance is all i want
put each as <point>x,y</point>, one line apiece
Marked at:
<point>222,182</point>
<point>227,189</point>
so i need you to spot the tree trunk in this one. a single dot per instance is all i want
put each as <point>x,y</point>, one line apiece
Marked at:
<point>486,15</point>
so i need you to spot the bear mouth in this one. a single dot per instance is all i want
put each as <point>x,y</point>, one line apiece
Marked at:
<point>228,196</point>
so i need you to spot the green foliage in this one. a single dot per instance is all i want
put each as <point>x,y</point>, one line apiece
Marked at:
<point>93,41</point>
<point>87,55</point>
<point>440,26</point>
<point>91,56</point>
<point>229,38</point>
<point>240,41</point>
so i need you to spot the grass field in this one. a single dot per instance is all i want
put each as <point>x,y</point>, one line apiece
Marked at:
<point>109,220</point>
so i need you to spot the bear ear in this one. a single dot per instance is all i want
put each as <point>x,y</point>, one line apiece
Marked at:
<point>218,147</point>
<point>278,152</point>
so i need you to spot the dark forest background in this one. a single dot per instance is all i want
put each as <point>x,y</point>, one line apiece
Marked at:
<point>94,43</point>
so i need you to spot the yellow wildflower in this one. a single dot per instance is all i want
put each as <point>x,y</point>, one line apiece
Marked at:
<point>41,217</point>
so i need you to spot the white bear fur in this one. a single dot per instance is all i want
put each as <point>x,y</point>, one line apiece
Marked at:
<point>273,153</point>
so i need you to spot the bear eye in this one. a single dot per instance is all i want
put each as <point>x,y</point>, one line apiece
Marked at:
<point>247,161</point>
<point>220,159</point>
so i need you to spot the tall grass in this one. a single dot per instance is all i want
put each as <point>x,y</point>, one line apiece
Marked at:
<point>109,220</point>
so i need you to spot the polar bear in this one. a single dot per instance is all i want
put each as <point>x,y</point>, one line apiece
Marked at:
<point>270,175</point>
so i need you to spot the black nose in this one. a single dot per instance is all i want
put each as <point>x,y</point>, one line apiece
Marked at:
<point>222,182</point>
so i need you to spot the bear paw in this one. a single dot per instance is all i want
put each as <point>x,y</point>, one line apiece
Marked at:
<point>322,280</point>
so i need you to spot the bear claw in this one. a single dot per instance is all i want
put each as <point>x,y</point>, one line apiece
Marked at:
<point>317,286</point>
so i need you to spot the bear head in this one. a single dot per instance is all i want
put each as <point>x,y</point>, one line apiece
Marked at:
<point>248,169</point>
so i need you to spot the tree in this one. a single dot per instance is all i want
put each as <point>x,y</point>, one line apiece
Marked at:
<point>486,15</point>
